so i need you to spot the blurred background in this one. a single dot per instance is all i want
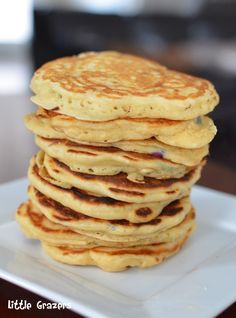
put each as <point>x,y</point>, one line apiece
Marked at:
<point>198,37</point>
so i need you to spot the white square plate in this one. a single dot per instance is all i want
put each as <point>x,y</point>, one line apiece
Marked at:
<point>198,282</point>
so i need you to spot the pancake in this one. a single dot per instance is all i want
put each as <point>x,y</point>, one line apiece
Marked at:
<point>110,230</point>
<point>54,130</point>
<point>115,259</point>
<point>187,134</point>
<point>193,137</point>
<point>117,187</point>
<point>50,124</point>
<point>110,161</point>
<point>110,85</point>
<point>35,225</point>
<point>187,157</point>
<point>111,209</point>
<point>55,126</point>
<point>87,252</point>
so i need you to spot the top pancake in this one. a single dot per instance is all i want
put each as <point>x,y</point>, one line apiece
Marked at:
<point>109,85</point>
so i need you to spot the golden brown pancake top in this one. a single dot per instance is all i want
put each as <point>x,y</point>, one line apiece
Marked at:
<point>112,74</point>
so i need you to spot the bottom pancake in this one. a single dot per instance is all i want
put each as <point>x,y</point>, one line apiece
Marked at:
<point>67,246</point>
<point>113,259</point>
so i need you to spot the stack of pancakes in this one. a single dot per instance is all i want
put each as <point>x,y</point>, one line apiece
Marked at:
<point>123,139</point>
